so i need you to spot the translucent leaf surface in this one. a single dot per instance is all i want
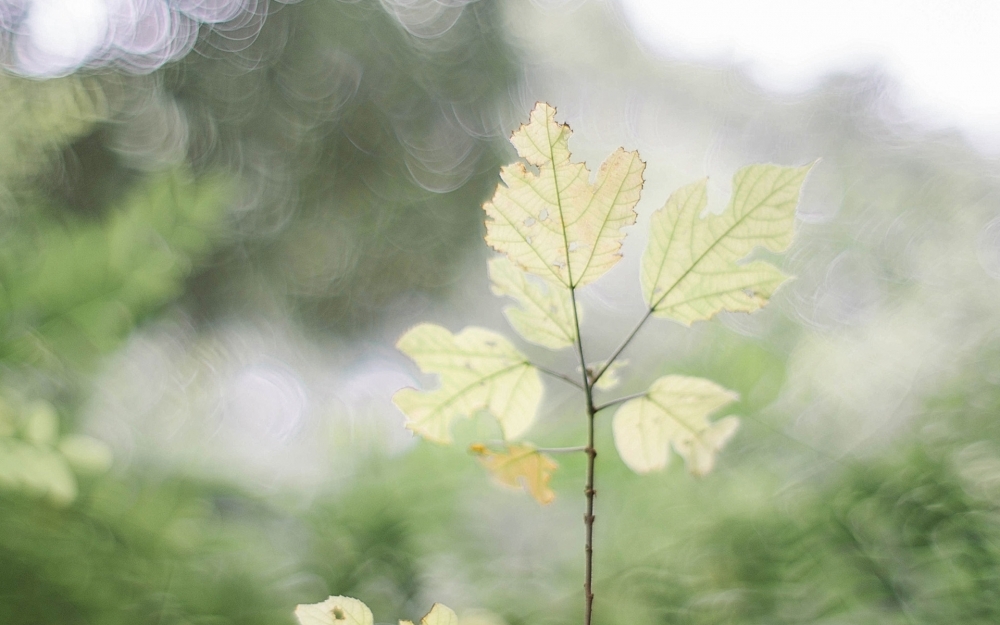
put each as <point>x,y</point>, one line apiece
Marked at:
<point>691,269</point>
<point>520,466</point>
<point>557,224</point>
<point>439,614</point>
<point>544,314</point>
<point>674,412</point>
<point>479,370</point>
<point>334,611</point>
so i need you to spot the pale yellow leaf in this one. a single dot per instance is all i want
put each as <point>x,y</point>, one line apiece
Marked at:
<point>557,224</point>
<point>544,314</point>
<point>674,412</point>
<point>520,466</point>
<point>439,614</point>
<point>479,370</point>
<point>691,270</point>
<point>334,611</point>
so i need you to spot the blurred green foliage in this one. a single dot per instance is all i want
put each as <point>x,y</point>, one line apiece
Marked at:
<point>338,161</point>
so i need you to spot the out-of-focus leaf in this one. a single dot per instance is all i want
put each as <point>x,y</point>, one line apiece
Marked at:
<point>557,224</point>
<point>76,289</point>
<point>39,117</point>
<point>479,370</point>
<point>41,424</point>
<point>85,454</point>
<point>37,470</point>
<point>691,270</point>
<point>544,314</point>
<point>334,611</point>
<point>674,412</point>
<point>520,466</point>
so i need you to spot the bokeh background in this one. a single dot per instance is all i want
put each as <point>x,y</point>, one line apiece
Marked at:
<point>216,216</point>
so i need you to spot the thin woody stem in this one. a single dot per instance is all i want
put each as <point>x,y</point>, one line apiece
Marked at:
<point>589,491</point>
<point>588,382</point>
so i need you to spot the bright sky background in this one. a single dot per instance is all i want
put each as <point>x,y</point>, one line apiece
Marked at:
<point>944,54</point>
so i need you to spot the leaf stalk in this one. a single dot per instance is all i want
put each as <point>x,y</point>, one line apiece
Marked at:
<point>561,376</point>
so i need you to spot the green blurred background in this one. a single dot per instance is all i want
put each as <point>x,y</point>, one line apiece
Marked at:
<point>208,251</point>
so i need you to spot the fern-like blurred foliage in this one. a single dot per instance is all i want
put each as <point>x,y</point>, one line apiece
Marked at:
<point>309,161</point>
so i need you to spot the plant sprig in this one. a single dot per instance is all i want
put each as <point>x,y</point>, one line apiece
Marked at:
<point>560,229</point>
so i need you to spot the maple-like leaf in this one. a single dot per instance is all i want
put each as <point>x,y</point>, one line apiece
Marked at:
<point>691,269</point>
<point>557,224</point>
<point>334,611</point>
<point>674,412</point>
<point>544,314</point>
<point>520,466</point>
<point>479,370</point>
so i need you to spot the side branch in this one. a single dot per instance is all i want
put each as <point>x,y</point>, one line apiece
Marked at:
<point>561,450</point>
<point>620,400</point>
<point>621,348</point>
<point>561,376</point>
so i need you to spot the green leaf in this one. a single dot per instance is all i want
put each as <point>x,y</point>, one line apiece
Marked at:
<point>544,315</point>
<point>439,614</point>
<point>520,466</point>
<point>691,270</point>
<point>334,611</point>
<point>85,454</point>
<point>479,370</point>
<point>674,412</point>
<point>557,224</point>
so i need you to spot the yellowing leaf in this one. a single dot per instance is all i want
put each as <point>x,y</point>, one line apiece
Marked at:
<point>545,312</point>
<point>520,466</point>
<point>440,614</point>
<point>690,271</point>
<point>674,412</point>
<point>479,370</point>
<point>334,611</point>
<point>557,224</point>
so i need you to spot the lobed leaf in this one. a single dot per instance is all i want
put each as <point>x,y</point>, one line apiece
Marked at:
<point>479,370</point>
<point>520,466</point>
<point>556,224</point>
<point>334,611</point>
<point>544,315</point>
<point>674,412</point>
<point>691,270</point>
